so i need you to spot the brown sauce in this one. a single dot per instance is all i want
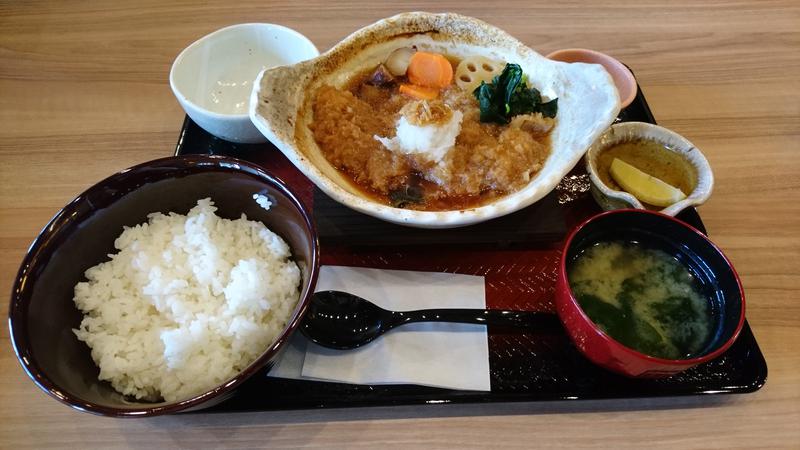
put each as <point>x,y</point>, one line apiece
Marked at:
<point>488,161</point>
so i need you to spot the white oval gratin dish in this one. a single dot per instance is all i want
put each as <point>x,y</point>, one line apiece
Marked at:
<point>280,106</point>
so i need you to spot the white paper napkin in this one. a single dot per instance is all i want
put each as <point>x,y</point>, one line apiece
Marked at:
<point>434,354</point>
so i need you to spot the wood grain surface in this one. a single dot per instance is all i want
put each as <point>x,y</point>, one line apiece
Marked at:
<point>84,93</point>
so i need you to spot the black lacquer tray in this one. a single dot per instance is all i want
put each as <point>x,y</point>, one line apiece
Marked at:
<point>517,255</point>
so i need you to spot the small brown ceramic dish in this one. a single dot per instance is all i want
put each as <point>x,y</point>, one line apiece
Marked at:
<point>42,313</point>
<point>696,170</point>
<point>281,107</point>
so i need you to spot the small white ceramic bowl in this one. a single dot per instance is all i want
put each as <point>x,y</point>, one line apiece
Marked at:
<point>212,78</point>
<point>610,199</point>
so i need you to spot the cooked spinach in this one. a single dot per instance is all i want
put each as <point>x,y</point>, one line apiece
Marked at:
<point>508,95</point>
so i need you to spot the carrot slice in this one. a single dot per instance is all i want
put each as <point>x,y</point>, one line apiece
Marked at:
<point>419,92</point>
<point>430,70</point>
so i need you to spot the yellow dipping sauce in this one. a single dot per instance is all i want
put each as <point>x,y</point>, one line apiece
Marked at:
<point>652,158</point>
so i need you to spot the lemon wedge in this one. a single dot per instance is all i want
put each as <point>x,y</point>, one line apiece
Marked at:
<point>647,188</point>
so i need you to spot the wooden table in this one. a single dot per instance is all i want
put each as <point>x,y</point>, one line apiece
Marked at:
<point>84,93</point>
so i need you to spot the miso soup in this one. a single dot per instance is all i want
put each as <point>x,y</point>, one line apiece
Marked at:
<point>644,298</point>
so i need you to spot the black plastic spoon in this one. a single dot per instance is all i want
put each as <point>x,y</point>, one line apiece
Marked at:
<point>341,320</point>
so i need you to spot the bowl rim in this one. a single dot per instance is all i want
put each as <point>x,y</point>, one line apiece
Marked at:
<point>19,302</point>
<point>215,34</point>
<point>650,131</point>
<point>562,268</point>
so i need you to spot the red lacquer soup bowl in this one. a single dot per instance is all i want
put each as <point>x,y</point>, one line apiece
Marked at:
<point>715,275</point>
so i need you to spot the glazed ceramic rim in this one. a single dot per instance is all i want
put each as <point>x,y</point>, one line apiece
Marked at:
<point>18,306</point>
<point>610,341</point>
<point>648,131</point>
<point>630,79</point>
<point>179,59</point>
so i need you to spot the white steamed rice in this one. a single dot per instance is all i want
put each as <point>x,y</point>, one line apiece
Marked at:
<point>186,303</point>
